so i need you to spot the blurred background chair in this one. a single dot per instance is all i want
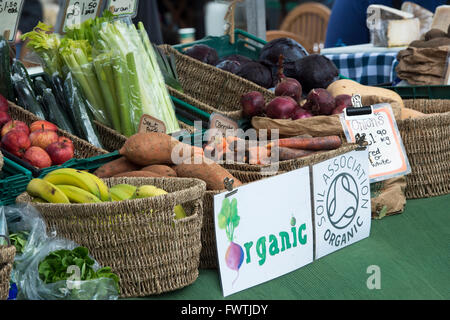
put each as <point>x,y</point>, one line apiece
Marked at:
<point>276,34</point>
<point>309,21</point>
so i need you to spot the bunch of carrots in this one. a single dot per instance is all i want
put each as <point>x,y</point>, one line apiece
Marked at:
<point>243,151</point>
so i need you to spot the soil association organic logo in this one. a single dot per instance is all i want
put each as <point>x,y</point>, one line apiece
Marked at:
<point>339,205</point>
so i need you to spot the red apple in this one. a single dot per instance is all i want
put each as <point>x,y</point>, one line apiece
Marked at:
<point>38,158</point>
<point>3,104</point>
<point>43,125</point>
<point>43,138</point>
<point>16,142</point>
<point>67,141</point>
<point>15,125</point>
<point>60,153</point>
<point>4,118</point>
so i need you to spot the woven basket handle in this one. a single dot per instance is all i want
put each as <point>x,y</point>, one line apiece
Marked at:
<point>229,17</point>
<point>7,239</point>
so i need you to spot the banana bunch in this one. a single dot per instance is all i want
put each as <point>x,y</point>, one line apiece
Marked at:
<point>65,186</point>
<point>69,186</point>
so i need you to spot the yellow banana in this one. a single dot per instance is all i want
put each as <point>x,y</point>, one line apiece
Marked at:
<point>122,192</point>
<point>76,178</point>
<point>39,200</point>
<point>152,191</point>
<point>102,187</point>
<point>47,191</point>
<point>78,195</point>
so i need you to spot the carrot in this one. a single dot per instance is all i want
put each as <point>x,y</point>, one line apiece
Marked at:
<point>314,144</point>
<point>138,174</point>
<point>146,149</point>
<point>208,171</point>
<point>290,153</point>
<point>162,170</point>
<point>259,155</point>
<point>115,167</point>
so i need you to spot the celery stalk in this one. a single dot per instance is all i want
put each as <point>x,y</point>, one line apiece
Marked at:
<point>135,92</point>
<point>120,71</point>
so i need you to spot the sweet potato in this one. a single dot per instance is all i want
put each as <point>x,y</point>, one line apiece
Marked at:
<point>208,171</point>
<point>162,170</point>
<point>147,149</point>
<point>138,174</point>
<point>116,167</point>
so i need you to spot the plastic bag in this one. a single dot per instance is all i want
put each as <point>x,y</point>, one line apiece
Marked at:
<point>3,228</point>
<point>22,218</point>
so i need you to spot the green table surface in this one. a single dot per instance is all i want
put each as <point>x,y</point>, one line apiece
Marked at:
<point>412,250</point>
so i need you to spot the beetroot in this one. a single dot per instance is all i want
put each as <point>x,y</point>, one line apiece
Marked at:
<point>343,101</point>
<point>289,87</point>
<point>315,71</point>
<point>234,256</point>
<point>281,108</point>
<point>320,102</point>
<point>253,104</point>
<point>301,113</point>
<point>203,53</point>
<point>236,58</point>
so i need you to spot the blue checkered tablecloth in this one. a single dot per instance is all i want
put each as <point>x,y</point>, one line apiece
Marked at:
<point>365,67</point>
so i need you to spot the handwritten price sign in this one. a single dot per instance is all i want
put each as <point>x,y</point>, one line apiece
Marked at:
<point>78,11</point>
<point>123,7</point>
<point>387,156</point>
<point>10,12</point>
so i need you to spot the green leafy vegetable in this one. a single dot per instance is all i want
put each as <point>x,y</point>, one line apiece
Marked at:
<point>19,240</point>
<point>55,267</point>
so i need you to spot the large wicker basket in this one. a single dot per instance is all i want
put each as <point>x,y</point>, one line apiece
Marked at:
<point>83,149</point>
<point>139,239</point>
<point>7,255</point>
<point>209,88</point>
<point>248,174</point>
<point>427,143</point>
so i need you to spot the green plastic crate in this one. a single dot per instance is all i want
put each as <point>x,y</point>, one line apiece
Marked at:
<point>245,44</point>
<point>422,92</point>
<point>14,180</point>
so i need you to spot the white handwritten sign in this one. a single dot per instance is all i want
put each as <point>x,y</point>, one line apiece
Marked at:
<point>78,11</point>
<point>10,12</point>
<point>123,7</point>
<point>263,230</point>
<point>387,155</point>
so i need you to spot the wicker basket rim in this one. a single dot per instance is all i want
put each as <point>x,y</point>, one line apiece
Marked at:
<point>195,188</point>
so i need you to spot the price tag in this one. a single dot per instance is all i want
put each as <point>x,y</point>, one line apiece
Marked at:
<point>10,12</point>
<point>387,155</point>
<point>123,7</point>
<point>221,123</point>
<point>77,11</point>
<point>151,124</point>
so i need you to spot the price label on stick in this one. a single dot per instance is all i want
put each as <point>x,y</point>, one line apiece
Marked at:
<point>151,124</point>
<point>77,11</point>
<point>387,155</point>
<point>10,12</point>
<point>123,7</point>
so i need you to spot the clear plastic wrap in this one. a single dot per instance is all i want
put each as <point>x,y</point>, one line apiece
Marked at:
<point>22,218</point>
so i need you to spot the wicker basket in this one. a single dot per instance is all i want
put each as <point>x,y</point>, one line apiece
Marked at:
<point>427,144</point>
<point>209,88</point>
<point>139,239</point>
<point>248,174</point>
<point>83,149</point>
<point>7,255</point>
<point>113,140</point>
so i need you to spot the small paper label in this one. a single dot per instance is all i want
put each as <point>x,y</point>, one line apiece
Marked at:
<point>78,11</point>
<point>151,124</point>
<point>222,123</point>
<point>123,7</point>
<point>387,155</point>
<point>10,12</point>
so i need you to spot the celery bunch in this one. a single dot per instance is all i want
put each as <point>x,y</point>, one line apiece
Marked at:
<point>117,69</point>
